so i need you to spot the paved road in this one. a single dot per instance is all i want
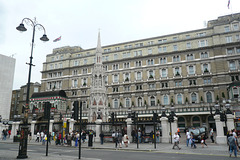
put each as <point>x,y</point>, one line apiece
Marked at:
<point>37,152</point>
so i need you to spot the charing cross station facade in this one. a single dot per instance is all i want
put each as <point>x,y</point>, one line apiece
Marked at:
<point>190,71</point>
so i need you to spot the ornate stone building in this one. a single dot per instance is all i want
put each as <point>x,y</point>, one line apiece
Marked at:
<point>190,70</point>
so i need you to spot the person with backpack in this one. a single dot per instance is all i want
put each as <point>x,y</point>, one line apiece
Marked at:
<point>233,145</point>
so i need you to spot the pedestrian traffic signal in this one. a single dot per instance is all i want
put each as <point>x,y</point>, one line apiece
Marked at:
<point>155,117</point>
<point>133,116</point>
<point>223,117</point>
<point>47,110</point>
<point>76,110</point>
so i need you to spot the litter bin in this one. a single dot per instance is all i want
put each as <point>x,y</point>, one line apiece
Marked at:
<point>90,139</point>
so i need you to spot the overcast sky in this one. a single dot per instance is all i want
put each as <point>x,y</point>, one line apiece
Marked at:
<point>78,22</point>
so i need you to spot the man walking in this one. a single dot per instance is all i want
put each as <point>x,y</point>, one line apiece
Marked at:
<point>233,145</point>
<point>211,135</point>
<point>176,140</point>
<point>101,135</point>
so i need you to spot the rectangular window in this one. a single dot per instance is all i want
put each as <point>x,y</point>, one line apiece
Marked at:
<point>238,49</point>
<point>228,39</point>
<point>139,87</point>
<point>115,78</point>
<point>175,47</point>
<point>115,67</point>
<point>150,51</point>
<point>235,27</point>
<point>127,65</point>
<point>35,89</point>
<point>227,29</point>
<point>126,88</point>
<point>188,36</point>
<point>159,49</point>
<point>164,73</point>
<point>192,82</point>
<point>230,51</point>
<point>150,43</point>
<point>117,48</point>
<point>175,38</point>
<point>188,45</point>
<point>201,34</point>
<point>115,56</point>
<point>84,71</point>
<point>207,81</point>
<point>204,55</point>
<point>178,83</point>
<point>164,48</point>
<point>85,61</point>
<point>202,43</point>
<point>139,76</point>
<point>115,89</point>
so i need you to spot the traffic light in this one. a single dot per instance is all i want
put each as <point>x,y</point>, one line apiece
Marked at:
<point>47,110</point>
<point>155,117</point>
<point>76,110</point>
<point>133,116</point>
<point>112,117</point>
<point>223,117</point>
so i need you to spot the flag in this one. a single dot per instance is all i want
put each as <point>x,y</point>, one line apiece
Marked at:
<point>228,3</point>
<point>57,39</point>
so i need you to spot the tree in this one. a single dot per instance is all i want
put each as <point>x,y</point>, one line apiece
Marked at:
<point>132,104</point>
<point>201,99</point>
<point>223,95</point>
<point>109,105</point>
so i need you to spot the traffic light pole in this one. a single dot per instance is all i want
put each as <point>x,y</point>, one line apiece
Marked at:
<point>154,127</point>
<point>137,128</point>
<point>47,107</point>
<point>80,123</point>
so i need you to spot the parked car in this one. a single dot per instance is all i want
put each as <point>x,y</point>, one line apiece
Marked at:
<point>198,132</point>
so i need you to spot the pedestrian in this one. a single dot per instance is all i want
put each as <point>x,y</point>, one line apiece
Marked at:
<point>84,135</point>
<point>211,135</point>
<point>120,139</point>
<point>9,133</point>
<point>77,135</point>
<point>101,135</point>
<point>38,136</point>
<point>178,130</point>
<point>192,141</point>
<point>188,137</point>
<point>69,137</point>
<point>203,140</point>
<point>176,140</point>
<point>125,140</point>
<point>116,139</point>
<point>41,136</point>
<point>233,145</point>
<point>133,135</point>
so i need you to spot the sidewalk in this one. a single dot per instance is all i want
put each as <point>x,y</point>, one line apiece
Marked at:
<point>212,149</point>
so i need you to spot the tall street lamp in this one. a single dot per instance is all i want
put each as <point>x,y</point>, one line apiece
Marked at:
<point>24,130</point>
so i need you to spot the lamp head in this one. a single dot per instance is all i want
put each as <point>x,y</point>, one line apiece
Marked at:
<point>21,28</point>
<point>44,38</point>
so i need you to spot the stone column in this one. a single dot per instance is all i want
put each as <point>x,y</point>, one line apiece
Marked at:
<point>13,131</point>
<point>32,128</point>
<point>51,125</point>
<point>71,125</point>
<point>174,126</point>
<point>165,129</point>
<point>220,138</point>
<point>98,129</point>
<point>129,128</point>
<point>230,121</point>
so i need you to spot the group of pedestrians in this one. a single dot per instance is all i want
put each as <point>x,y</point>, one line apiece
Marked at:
<point>6,133</point>
<point>119,139</point>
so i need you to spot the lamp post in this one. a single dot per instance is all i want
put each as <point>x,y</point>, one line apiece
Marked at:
<point>223,113</point>
<point>24,132</point>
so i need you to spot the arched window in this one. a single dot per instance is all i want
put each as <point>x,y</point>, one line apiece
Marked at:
<point>139,101</point>
<point>194,97</point>
<point>115,103</point>
<point>179,99</point>
<point>152,101</point>
<point>209,97</point>
<point>165,100</point>
<point>181,122</point>
<point>196,121</point>
<point>127,102</point>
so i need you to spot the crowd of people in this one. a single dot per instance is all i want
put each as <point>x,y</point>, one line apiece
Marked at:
<point>6,133</point>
